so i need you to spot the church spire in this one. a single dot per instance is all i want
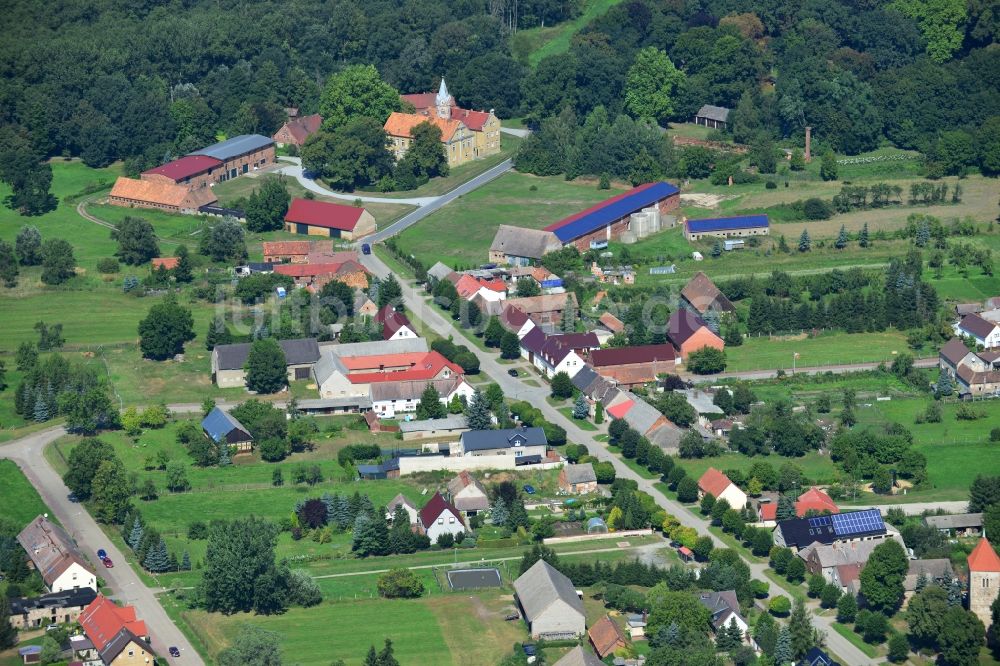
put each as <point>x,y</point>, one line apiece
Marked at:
<point>443,101</point>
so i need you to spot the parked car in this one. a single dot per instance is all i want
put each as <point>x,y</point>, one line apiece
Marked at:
<point>174,652</point>
<point>102,554</point>
<point>366,249</point>
<point>530,489</point>
<point>512,372</point>
<point>108,564</point>
<point>52,627</point>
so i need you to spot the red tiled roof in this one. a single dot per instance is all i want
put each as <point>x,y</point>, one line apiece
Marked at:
<point>629,355</point>
<point>714,482</point>
<point>164,194</point>
<point>434,508</point>
<point>373,361</point>
<point>168,263</point>
<point>306,270</point>
<point>286,248</point>
<point>304,127</point>
<point>983,557</point>
<point>185,167</point>
<point>430,365</point>
<point>769,511</point>
<point>621,409</point>
<point>495,284</point>
<point>611,322</point>
<point>323,214</point>
<point>102,620</point>
<point>605,636</point>
<point>421,101</point>
<point>474,120</point>
<point>814,499</point>
<point>402,124</point>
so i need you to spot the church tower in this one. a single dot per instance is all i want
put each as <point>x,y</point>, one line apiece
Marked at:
<point>443,101</point>
<point>984,580</point>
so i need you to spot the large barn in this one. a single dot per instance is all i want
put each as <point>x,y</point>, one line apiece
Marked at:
<point>610,219</point>
<point>329,220</point>
<point>727,227</point>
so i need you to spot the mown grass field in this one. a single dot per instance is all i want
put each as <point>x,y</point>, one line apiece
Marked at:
<point>461,232</point>
<point>828,349</point>
<point>19,499</point>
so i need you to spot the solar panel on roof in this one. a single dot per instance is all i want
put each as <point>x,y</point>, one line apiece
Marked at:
<point>819,521</point>
<point>857,522</point>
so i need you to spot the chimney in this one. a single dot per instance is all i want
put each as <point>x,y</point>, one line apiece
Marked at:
<point>808,144</point>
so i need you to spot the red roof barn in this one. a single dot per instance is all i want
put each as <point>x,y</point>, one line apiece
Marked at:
<point>329,220</point>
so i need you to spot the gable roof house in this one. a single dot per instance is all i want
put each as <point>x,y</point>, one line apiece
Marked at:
<point>611,322</point>
<point>287,252</point>
<point>938,569</point>
<point>519,442</point>
<point>439,516</point>
<point>595,388</point>
<point>550,354</point>
<point>715,483</point>
<point>395,324</point>
<point>845,527</point>
<point>221,426</point>
<point>578,479</point>
<point>606,637</point>
<point>702,295</point>
<point>515,320</point>
<point>688,332</point>
<point>727,227</point>
<point>725,609</point>
<point>549,603</point>
<point>52,608</point>
<point>394,396</point>
<point>55,556</point>
<point>579,656</point>
<point>468,494</point>
<point>952,355</point>
<point>442,429</point>
<point>457,139</point>
<point>546,309</point>
<point>439,271</point>
<point>829,560</point>
<point>193,170</point>
<point>295,131</point>
<point>986,333</point>
<point>328,220</point>
<point>634,366</point>
<point>408,506</point>
<point>229,361</point>
<point>610,219</point>
<point>518,246</point>
<point>114,631</point>
<point>715,117</point>
<point>645,419</point>
<point>962,524</point>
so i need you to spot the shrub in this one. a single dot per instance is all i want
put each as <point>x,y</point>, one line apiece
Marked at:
<point>107,265</point>
<point>780,606</point>
<point>771,185</point>
<point>995,435</point>
<point>816,209</point>
<point>400,584</point>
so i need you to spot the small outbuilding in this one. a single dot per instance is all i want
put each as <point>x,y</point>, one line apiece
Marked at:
<point>716,117</point>
<point>223,428</point>
<point>549,603</point>
<point>578,479</point>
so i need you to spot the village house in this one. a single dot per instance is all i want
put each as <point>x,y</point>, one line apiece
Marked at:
<point>229,361</point>
<point>439,272</point>
<point>701,294</point>
<point>725,609</point>
<point>468,494</point>
<point>240,155</point>
<point>522,442</point>
<point>289,252</point>
<point>313,276</point>
<point>606,637</point>
<point>295,131</point>
<point>612,323</point>
<point>727,227</point>
<point>957,525</point>
<point>395,324</point>
<point>611,219</point>
<point>365,307</point>
<point>223,428</point>
<point>329,220</point>
<point>688,332</point>
<point>547,309</point>
<point>55,557</point>
<point>341,376</point>
<point>447,428</point>
<point>119,638</point>
<point>813,500</point>
<point>550,354</point>
<point>937,571</point>
<point>549,603</point>
<point>715,483</point>
<point>517,246</point>
<point>515,320</point>
<point>578,479</point>
<point>159,195</point>
<point>54,608</point>
<point>409,507</point>
<point>634,366</point>
<point>484,125</point>
<point>838,563</point>
<point>984,580</point>
<point>469,286</point>
<point>393,397</point>
<point>166,263</point>
<point>579,656</point>
<point>440,517</point>
<point>456,138</point>
<point>716,117</point>
<point>985,333</point>
<point>193,171</point>
<point>595,388</point>
<point>846,527</point>
<point>646,420</point>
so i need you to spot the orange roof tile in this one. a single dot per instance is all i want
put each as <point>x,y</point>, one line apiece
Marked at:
<point>814,499</point>
<point>402,124</point>
<point>407,359</point>
<point>159,192</point>
<point>714,482</point>
<point>168,263</point>
<point>606,636</point>
<point>769,511</point>
<point>286,248</point>
<point>983,557</point>
<point>102,620</point>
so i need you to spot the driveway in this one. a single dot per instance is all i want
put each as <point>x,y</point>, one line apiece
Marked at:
<point>123,584</point>
<point>810,370</point>
<point>517,390</point>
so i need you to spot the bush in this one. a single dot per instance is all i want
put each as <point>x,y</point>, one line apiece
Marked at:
<point>817,209</point>
<point>771,185</point>
<point>706,361</point>
<point>400,584</point>
<point>446,540</point>
<point>107,265</point>
<point>780,606</point>
<point>995,435</point>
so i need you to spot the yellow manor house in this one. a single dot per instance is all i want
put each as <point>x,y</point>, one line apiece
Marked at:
<point>466,135</point>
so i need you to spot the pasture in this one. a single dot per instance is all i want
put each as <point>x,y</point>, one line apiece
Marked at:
<point>826,349</point>
<point>19,499</point>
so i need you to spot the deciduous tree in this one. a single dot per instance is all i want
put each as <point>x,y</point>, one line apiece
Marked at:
<point>165,329</point>
<point>136,241</point>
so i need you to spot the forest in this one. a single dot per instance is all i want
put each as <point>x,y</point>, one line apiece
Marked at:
<point>147,81</point>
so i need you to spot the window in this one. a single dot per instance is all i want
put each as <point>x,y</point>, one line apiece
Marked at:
<point>451,521</point>
<point>440,521</point>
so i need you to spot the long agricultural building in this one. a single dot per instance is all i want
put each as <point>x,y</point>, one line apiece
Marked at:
<point>727,227</point>
<point>611,220</point>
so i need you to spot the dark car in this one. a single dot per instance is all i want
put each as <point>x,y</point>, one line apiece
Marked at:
<point>529,649</point>
<point>530,489</point>
<point>512,372</point>
<point>174,652</point>
<point>108,564</point>
<point>102,554</point>
<point>366,249</point>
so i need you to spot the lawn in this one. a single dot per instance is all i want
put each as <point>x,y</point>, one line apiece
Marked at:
<point>583,424</point>
<point>19,499</point>
<point>470,222</point>
<point>826,349</point>
<point>816,467</point>
<point>534,44</point>
<point>855,640</point>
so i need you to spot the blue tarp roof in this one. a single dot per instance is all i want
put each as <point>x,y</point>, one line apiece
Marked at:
<point>238,145</point>
<point>219,423</point>
<point>611,210</point>
<point>725,223</point>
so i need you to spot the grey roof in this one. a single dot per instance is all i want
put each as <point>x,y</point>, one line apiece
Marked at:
<point>642,416</point>
<point>702,402</point>
<point>439,271</point>
<point>666,437</point>
<point>65,599</point>
<point>541,586</point>
<point>50,548</point>
<point>579,656</point>
<point>839,554</point>
<point>957,521</point>
<point>594,386</point>
<point>976,325</point>
<point>938,569</point>
<point>453,422</point>
<point>301,351</point>
<point>473,503</point>
<point>954,351</point>
<point>521,242</point>
<point>114,647</point>
<point>584,377</point>
<point>361,402</point>
<point>400,500</point>
<point>376,347</point>
<point>719,113</point>
<point>236,146</point>
<point>583,473</point>
<point>412,389</point>
<point>477,440</point>
<point>327,365</point>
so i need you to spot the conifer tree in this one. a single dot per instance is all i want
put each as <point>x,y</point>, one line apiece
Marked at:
<point>786,508</point>
<point>944,385</point>
<point>478,413</point>
<point>783,649</point>
<point>498,513</point>
<point>186,562</point>
<point>8,635</point>
<point>224,455</point>
<point>805,244</point>
<point>863,236</point>
<point>135,537</point>
<point>598,413</point>
<point>717,248</point>
<point>580,408</point>
<point>842,239</point>
<point>157,559</point>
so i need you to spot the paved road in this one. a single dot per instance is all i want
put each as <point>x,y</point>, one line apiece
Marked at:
<point>294,169</point>
<point>515,132</point>
<point>125,585</point>
<point>517,390</point>
<point>809,370</point>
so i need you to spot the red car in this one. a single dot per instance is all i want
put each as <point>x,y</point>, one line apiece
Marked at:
<point>108,563</point>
